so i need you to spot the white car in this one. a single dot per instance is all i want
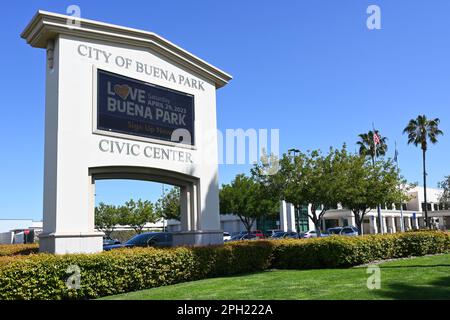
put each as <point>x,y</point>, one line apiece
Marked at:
<point>226,236</point>
<point>309,234</point>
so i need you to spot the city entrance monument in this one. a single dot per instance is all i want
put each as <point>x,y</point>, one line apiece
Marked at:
<point>123,103</point>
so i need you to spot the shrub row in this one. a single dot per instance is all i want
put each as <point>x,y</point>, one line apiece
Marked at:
<point>338,251</point>
<point>18,249</point>
<point>45,276</point>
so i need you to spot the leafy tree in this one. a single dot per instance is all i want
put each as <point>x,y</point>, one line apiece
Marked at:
<point>266,174</point>
<point>137,214</point>
<point>246,198</point>
<point>168,206</point>
<point>364,185</point>
<point>367,145</point>
<point>106,218</point>
<point>445,197</point>
<point>310,179</point>
<point>421,131</point>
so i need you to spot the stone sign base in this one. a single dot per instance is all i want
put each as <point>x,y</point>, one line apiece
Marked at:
<point>197,238</point>
<point>62,243</point>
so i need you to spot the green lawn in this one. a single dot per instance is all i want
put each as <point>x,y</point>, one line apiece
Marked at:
<point>415,278</point>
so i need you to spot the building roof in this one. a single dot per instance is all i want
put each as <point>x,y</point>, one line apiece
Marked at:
<point>45,26</point>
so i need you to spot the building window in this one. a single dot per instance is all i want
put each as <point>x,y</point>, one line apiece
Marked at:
<point>436,207</point>
<point>428,206</point>
<point>302,221</point>
<point>404,206</point>
<point>383,206</point>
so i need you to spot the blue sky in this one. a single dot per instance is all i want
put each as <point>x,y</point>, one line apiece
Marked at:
<point>310,68</point>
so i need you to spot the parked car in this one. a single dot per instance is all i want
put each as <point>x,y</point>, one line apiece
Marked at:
<point>349,231</point>
<point>335,230</point>
<point>278,235</point>
<point>308,234</point>
<point>291,235</point>
<point>257,233</point>
<point>270,233</point>
<point>226,236</point>
<point>148,239</point>
<point>250,237</point>
<point>240,236</point>
<point>108,241</point>
<point>344,231</point>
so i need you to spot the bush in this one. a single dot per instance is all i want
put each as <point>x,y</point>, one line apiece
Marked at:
<point>44,276</point>
<point>338,251</point>
<point>18,249</point>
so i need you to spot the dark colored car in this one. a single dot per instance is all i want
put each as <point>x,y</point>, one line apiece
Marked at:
<point>241,236</point>
<point>285,235</point>
<point>271,233</point>
<point>109,241</point>
<point>278,235</point>
<point>292,235</point>
<point>148,239</point>
<point>257,233</point>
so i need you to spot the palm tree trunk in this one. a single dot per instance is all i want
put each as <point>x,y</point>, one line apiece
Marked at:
<point>427,224</point>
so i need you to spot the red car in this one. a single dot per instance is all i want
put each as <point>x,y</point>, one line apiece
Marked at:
<point>258,233</point>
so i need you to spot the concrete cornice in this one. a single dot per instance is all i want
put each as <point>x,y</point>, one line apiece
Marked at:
<point>46,26</point>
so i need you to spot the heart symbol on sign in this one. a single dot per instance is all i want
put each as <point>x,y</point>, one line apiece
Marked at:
<point>122,90</point>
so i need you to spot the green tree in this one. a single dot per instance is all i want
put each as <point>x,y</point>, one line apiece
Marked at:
<point>367,145</point>
<point>421,131</point>
<point>168,206</point>
<point>106,218</point>
<point>364,185</point>
<point>310,179</point>
<point>266,174</point>
<point>445,197</point>
<point>246,198</point>
<point>137,214</point>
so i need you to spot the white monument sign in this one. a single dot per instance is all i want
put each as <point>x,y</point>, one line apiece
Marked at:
<point>124,104</point>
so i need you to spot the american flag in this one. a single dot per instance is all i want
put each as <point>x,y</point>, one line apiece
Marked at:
<point>376,138</point>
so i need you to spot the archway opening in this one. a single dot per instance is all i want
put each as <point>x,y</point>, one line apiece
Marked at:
<point>183,191</point>
<point>127,207</point>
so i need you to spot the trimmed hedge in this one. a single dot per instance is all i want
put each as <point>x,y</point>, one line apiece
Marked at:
<point>44,276</point>
<point>338,251</point>
<point>18,249</point>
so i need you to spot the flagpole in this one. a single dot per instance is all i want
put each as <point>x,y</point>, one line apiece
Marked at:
<point>380,221</point>
<point>402,221</point>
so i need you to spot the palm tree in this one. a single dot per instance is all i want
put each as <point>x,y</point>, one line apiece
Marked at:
<point>419,131</point>
<point>367,145</point>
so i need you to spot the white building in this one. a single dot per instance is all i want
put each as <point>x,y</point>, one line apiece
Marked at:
<point>9,228</point>
<point>413,215</point>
